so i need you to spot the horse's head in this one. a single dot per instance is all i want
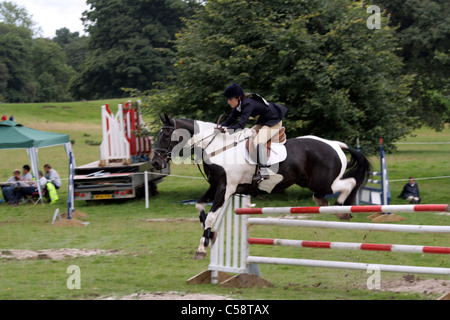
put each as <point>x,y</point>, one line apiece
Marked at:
<point>163,150</point>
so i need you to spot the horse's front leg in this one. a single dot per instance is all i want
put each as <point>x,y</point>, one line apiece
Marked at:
<point>201,204</point>
<point>222,196</point>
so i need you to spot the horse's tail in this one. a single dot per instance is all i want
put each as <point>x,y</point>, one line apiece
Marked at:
<point>358,168</point>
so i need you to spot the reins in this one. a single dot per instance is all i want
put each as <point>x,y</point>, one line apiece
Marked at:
<point>167,155</point>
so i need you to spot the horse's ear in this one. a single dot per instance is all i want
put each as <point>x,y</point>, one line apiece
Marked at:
<point>162,118</point>
<point>167,118</point>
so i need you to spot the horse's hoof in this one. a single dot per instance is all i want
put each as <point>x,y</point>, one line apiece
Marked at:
<point>199,255</point>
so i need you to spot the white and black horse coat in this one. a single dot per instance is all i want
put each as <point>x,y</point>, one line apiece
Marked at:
<point>312,162</point>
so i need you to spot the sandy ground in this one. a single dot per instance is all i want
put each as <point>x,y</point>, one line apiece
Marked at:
<point>53,254</point>
<point>409,283</point>
<point>171,295</point>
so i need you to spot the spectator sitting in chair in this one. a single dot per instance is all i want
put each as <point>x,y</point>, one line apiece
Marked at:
<point>8,190</point>
<point>52,176</point>
<point>410,192</point>
<point>26,174</point>
<point>22,183</point>
<point>27,190</point>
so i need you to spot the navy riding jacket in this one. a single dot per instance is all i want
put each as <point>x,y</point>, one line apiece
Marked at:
<point>269,115</point>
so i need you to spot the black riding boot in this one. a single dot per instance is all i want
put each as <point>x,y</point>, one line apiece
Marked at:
<point>262,171</point>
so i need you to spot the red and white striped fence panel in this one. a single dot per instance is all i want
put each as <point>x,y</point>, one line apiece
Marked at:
<point>231,251</point>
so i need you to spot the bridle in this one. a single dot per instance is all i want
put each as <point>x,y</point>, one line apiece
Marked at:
<point>165,154</point>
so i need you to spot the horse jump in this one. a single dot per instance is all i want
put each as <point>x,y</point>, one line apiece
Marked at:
<point>231,252</point>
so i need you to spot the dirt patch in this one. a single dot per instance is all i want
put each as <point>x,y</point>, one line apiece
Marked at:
<point>409,283</point>
<point>70,223</point>
<point>52,254</point>
<point>75,214</point>
<point>171,295</point>
<point>64,222</point>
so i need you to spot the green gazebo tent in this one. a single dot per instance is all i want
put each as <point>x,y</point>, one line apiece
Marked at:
<point>17,136</point>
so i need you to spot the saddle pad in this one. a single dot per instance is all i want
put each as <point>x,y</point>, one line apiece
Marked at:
<point>278,154</point>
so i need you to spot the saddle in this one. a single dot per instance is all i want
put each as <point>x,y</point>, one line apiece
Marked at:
<point>280,138</point>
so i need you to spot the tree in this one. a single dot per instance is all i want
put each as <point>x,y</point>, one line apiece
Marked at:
<point>15,49</point>
<point>51,71</point>
<point>4,75</point>
<point>15,44</point>
<point>64,36</point>
<point>129,45</point>
<point>13,14</point>
<point>30,69</point>
<point>74,46</point>
<point>424,37</point>
<point>339,79</point>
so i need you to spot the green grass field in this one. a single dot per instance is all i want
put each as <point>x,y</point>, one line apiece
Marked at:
<point>157,256</point>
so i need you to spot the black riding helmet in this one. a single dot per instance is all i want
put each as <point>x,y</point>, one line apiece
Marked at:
<point>233,91</point>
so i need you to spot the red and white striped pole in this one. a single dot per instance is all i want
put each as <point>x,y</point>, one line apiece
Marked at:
<point>350,246</point>
<point>346,209</point>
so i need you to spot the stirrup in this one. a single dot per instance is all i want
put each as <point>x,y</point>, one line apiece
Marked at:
<point>258,177</point>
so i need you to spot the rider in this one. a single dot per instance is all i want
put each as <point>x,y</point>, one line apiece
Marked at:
<point>268,124</point>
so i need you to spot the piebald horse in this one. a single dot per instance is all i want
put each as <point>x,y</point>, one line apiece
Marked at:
<point>311,162</point>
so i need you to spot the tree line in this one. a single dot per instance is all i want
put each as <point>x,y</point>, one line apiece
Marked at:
<point>338,78</point>
<point>130,44</point>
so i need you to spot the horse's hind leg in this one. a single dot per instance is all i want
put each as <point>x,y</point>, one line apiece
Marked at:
<point>201,204</point>
<point>345,187</point>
